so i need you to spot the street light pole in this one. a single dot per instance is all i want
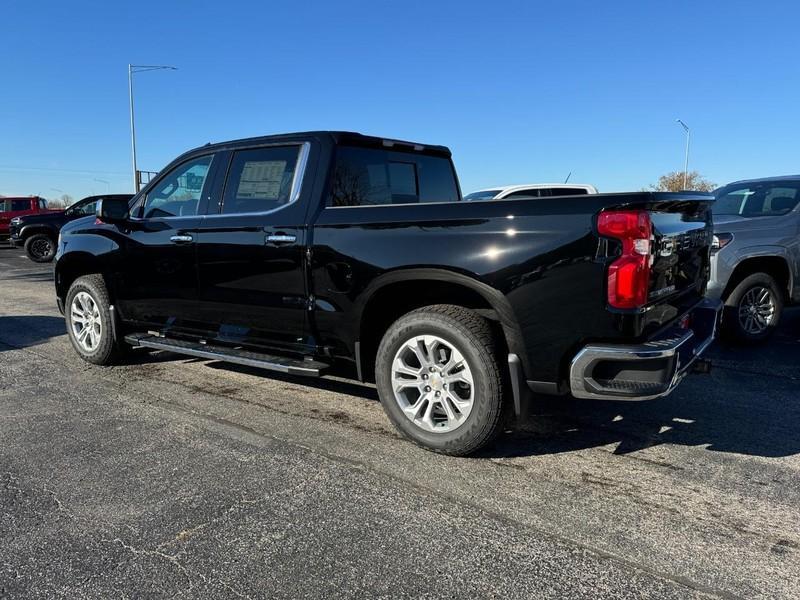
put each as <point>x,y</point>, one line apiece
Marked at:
<point>686,162</point>
<point>133,128</point>
<point>131,70</point>
<point>108,184</point>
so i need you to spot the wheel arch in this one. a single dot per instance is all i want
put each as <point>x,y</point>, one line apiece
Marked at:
<point>771,261</point>
<point>29,230</point>
<point>394,294</point>
<point>74,265</point>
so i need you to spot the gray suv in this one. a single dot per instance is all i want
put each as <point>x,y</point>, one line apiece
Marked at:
<point>755,257</point>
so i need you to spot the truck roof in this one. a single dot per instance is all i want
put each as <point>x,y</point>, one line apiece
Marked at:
<point>765,179</point>
<point>514,188</point>
<point>338,137</point>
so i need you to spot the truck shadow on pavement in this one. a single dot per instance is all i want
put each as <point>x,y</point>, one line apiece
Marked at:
<point>32,276</point>
<point>750,404</point>
<point>24,331</point>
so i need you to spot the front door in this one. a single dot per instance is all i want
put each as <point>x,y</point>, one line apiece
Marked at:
<point>157,280</point>
<point>251,253</point>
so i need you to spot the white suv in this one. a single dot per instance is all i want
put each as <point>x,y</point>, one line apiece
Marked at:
<point>533,190</point>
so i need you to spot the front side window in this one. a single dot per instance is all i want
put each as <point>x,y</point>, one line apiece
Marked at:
<point>370,177</point>
<point>757,200</point>
<point>484,195</point>
<point>178,193</point>
<point>260,180</point>
<point>529,193</point>
<point>20,205</point>
<point>83,210</point>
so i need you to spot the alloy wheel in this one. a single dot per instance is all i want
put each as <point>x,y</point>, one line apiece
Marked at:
<point>756,310</point>
<point>87,326</point>
<point>41,248</point>
<point>433,383</point>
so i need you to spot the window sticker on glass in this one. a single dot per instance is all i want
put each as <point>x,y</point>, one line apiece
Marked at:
<point>261,179</point>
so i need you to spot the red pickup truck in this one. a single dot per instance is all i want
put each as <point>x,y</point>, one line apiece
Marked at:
<point>11,207</point>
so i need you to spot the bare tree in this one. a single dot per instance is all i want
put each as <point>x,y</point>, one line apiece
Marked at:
<point>64,201</point>
<point>673,182</point>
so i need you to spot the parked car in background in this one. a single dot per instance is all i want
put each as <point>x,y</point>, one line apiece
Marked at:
<point>532,190</point>
<point>12,207</point>
<point>755,257</point>
<point>323,252</point>
<point>38,233</point>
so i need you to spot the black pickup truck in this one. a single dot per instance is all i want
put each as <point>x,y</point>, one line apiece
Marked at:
<point>336,252</point>
<point>37,233</point>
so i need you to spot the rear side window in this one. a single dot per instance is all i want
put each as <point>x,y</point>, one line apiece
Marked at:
<point>260,180</point>
<point>18,205</point>
<point>371,177</point>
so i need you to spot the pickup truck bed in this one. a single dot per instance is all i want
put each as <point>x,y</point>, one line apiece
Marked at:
<point>331,251</point>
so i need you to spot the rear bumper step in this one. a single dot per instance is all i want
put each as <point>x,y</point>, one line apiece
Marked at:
<point>281,364</point>
<point>649,370</point>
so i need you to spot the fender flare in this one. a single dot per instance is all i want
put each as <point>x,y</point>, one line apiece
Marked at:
<point>766,251</point>
<point>81,262</point>
<point>495,299</point>
<point>34,228</point>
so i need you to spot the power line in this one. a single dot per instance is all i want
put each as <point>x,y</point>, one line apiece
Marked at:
<point>83,171</point>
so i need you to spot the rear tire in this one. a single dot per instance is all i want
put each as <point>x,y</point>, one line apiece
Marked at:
<point>753,309</point>
<point>439,381</point>
<point>40,248</point>
<point>87,312</point>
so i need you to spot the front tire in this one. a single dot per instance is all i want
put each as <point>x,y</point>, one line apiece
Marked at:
<point>40,248</point>
<point>438,379</point>
<point>753,309</point>
<point>89,321</point>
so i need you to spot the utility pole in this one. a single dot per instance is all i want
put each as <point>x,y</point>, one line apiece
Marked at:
<point>131,70</point>
<point>686,162</point>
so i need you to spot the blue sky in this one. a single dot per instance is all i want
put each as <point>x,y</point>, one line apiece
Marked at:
<point>520,91</point>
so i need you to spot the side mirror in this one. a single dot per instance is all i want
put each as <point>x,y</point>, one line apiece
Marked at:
<point>112,210</point>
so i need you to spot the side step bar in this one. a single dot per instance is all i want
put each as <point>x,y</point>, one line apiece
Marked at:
<point>292,366</point>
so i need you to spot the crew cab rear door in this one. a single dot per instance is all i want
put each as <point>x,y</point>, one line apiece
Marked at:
<point>251,249</point>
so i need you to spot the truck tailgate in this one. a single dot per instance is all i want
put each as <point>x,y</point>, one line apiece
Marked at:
<point>680,242</point>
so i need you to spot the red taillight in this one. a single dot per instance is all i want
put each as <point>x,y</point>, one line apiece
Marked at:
<point>629,275</point>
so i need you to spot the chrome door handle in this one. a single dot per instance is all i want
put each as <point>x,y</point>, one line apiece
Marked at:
<point>281,238</point>
<point>181,239</point>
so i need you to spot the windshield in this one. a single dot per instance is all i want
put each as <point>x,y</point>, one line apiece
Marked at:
<point>757,199</point>
<point>484,195</point>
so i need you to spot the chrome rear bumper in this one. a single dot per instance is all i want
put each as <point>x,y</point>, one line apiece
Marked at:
<point>644,371</point>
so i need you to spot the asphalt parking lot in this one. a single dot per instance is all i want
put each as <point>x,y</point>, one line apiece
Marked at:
<point>178,477</point>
